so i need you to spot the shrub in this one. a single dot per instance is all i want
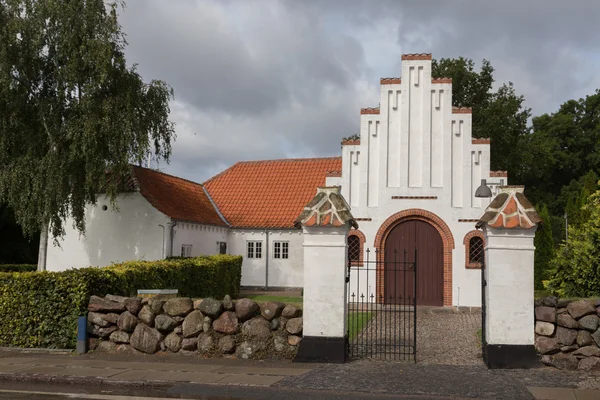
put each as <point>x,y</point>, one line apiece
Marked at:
<point>40,309</point>
<point>18,267</point>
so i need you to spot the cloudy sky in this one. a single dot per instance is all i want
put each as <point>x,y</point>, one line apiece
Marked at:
<point>264,79</point>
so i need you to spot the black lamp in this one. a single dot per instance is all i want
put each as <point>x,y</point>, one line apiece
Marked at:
<point>483,190</point>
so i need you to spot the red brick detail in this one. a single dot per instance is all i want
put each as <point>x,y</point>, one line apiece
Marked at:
<point>414,197</point>
<point>333,174</point>
<point>390,81</point>
<point>369,110</point>
<point>363,219</point>
<point>441,80</point>
<point>437,223</point>
<point>351,142</point>
<point>416,56</point>
<point>466,242</point>
<point>462,110</point>
<point>468,220</point>
<point>481,141</point>
<point>363,239</point>
<point>498,174</point>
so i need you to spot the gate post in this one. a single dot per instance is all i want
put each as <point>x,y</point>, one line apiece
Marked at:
<point>325,222</point>
<point>509,226</point>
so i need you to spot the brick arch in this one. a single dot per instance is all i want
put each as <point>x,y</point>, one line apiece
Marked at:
<point>466,241</point>
<point>433,220</point>
<point>362,239</point>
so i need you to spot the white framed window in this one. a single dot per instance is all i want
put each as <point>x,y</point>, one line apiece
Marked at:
<point>186,250</point>
<point>254,249</point>
<point>281,250</point>
<point>222,247</point>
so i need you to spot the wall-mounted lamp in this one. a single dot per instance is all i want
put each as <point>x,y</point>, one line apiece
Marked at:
<point>483,190</point>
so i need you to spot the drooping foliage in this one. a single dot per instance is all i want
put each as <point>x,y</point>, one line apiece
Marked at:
<point>71,109</point>
<point>544,247</point>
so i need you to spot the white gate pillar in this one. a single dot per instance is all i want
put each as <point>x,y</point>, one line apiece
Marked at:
<point>325,222</point>
<point>509,226</point>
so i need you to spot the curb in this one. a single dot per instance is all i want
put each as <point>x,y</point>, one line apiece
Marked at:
<point>80,380</point>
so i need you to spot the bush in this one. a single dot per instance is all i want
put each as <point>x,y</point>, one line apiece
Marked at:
<point>18,267</point>
<point>40,309</point>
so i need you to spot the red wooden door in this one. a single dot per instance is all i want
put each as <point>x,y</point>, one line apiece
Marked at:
<point>408,236</point>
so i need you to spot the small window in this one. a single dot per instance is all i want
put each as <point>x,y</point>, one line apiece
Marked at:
<point>476,251</point>
<point>281,250</point>
<point>254,249</point>
<point>353,249</point>
<point>186,250</point>
<point>222,247</point>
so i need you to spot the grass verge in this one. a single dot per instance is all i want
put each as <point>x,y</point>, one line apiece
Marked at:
<point>357,321</point>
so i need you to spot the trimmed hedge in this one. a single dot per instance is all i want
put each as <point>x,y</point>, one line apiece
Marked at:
<point>18,267</point>
<point>40,309</point>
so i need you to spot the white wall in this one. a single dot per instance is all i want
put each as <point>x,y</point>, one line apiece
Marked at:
<point>282,272</point>
<point>132,233</point>
<point>203,238</point>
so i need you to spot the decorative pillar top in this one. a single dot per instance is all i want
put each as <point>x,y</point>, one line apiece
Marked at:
<point>327,208</point>
<point>510,209</point>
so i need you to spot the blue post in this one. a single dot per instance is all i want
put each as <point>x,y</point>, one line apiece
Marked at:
<point>82,335</point>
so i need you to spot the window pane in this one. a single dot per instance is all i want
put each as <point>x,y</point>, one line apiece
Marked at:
<point>182,251</point>
<point>258,246</point>
<point>476,250</point>
<point>285,250</point>
<point>353,248</point>
<point>276,249</point>
<point>250,249</point>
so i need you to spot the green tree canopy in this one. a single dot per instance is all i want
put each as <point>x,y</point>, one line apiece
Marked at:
<point>499,115</point>
<point>71,109</point>
<point>544,247</point>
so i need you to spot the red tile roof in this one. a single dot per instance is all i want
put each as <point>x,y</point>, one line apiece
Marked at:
<point>269,194</point>
<point>176,197</point>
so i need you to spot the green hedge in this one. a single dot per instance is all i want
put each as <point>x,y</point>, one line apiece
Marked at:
<point>40,309</point>
<point>18,267</point>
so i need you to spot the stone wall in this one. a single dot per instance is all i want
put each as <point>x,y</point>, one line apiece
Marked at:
<point>208,327</point>
<point>567,333</point>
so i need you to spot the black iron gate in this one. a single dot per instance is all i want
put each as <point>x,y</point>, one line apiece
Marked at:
<point>382,303</point>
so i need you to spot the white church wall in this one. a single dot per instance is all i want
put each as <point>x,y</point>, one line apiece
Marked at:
<point>203,238</point>
<point>281,272</point>
<point>131,233</point>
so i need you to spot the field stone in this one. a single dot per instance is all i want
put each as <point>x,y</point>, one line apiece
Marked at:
<point>271,309</point>
<point>544,328</point>
<point>565,362</point>
<point>546,345</point>
<point>156,304</point>
<point>146,339</point>
<point>98,319</point>
<point>206,324</point>
<point>568,349</point>
<point>115,298</point>
<point>246,309</point>
<point>584,338</point>
<point>294,326</point>
<point>257,327</point>
<point>248,349</point>
<point>146,315</point>
<point>275,324</point>
<point>164,323</point>
<point>133,305</point>
<point>589,322</point>
<point>127,322</point>
<point>566,336</point>
<point>98,304</point>
<point>227,345</point>
<point>211,307</point>
<point>294,340</point>
<point>106,346</point>
<point>588,351</point>
<point>92,343</point>
<point>289,311</point>
<point>206,343</point>
<point>178,306</point>
<point>580,308</point>
<point>561,310</point>
<point>590,364</point>
<point>119,337</point>
<point>173,342</point>
<point>178,330</point>
<point>279,343</point>
<point>596,337</point>
<point>228,303</point>
<point>546,359</point>
<point>112,317</point>
<point>105,332</point>
<point>567,321</point>
<point>546,314</point>
<point>145,300</point>
<point>192,324</point>
<point>563,303</point>
<point>190,344</point>
<point>227,323</point>
<point>550,301</point>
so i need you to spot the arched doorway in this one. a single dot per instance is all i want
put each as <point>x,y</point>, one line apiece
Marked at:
<point>403,239</point>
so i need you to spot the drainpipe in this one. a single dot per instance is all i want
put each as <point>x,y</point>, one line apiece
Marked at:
<point>164,245</point>
<point>169,238</point>
<point>267,261</point>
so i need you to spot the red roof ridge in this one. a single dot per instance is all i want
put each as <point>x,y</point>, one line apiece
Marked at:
<point>289,159</point>
<point>416,56</point>
<point>163,173</point>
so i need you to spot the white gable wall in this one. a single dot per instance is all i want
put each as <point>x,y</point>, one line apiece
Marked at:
<point>132,233</point>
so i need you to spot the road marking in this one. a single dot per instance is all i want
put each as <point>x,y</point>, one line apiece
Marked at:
<point>88,396</point>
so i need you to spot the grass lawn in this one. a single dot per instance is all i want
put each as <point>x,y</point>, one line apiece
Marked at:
<point>260,298</point>
<point>357,321</point>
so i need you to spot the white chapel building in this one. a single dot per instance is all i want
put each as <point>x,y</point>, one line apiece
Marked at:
<point>410,181</point>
